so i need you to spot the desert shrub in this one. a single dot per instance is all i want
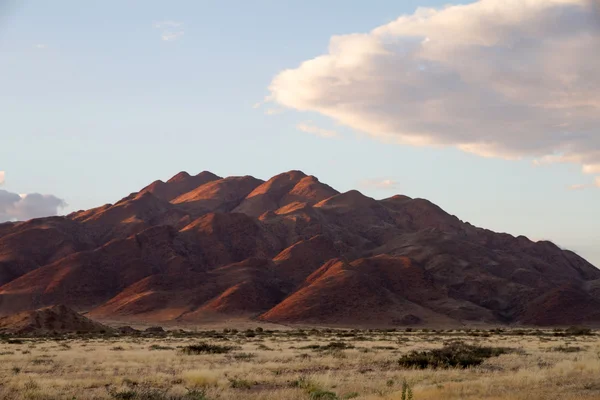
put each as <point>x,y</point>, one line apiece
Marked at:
<point>578,331</point>
<point>407,393</point>
<point>320,394</point>
<point>194,394</point>
<point>314,392</point>
<point>240,384</point>
<point>31,385</point>
<point>159,347</point>
<point>567,349</point>
<point>244,356</point>
<point>453,355</point>
<point>149,393</point>
<point>206,348</point>
<point>329,346</point>
<point>126,394</point>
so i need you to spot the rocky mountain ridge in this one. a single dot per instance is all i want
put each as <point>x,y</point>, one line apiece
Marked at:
<point>288,250</point>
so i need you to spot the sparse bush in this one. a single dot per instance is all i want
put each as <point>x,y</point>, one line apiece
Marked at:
<point>206,348</point>
<point>329,346</point>
<point>244,356</point>
<point>31,385</point>
<point>454,355</point>
<point>578,331</point>
<point>240,384</point>
<point>567,349</point>
<point>320,394</point>
<point>314,392</point>
<point>407,393</point>
<point>159,347</point>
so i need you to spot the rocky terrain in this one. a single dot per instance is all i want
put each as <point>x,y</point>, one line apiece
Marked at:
<point>49,320</point>
<point>288,250</point>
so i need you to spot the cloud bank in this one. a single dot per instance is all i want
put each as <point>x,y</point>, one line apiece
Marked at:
<point>499,78</point>
<point>24,207</point>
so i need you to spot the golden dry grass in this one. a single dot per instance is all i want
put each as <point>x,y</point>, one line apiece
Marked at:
<point>282,365</point>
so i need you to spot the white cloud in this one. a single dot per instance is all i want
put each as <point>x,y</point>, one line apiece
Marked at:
<point>498,78</point>
<point>167,24</point>
<point>168,36</point>
<point>24,207</point>
<point>315,130</point>
<point>385,184</point>
<point>40,46</point>
<point>579,187</point>
<point>2,175</point>
<point>274,111</point>
<point>171,30</point>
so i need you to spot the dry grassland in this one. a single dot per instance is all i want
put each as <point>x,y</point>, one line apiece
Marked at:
<point>309,364</point>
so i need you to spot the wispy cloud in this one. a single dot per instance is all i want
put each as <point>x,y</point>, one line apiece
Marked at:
<point>315,130</point>
<point>584,186</point>
<point>40,46</point>
<point>580,186</point>
<point>381,184</point>
<point>168,36</point>
<point>168,24</point>
<point>2,175</point>
<point>171,30</point>
<point>274,111</point>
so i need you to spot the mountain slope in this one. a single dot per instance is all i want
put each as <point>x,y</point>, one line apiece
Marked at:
<point>291,250</point>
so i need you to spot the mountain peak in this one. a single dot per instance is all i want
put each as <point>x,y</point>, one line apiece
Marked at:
<point>183,175</point>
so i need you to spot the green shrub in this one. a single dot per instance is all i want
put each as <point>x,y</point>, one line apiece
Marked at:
<point>206,348</point>
<point>453,355</point>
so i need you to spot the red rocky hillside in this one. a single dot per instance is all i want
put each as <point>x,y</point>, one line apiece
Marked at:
<point>288,250</point>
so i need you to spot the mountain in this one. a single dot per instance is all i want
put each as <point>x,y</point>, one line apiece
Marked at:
<point>288,250</point>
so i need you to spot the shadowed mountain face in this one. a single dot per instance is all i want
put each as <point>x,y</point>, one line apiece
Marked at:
<point>288,250</point>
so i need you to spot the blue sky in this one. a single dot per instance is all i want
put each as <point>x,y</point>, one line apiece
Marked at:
<point>95,105</point>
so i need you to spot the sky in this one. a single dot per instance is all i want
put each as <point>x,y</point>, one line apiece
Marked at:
<point>490,109</point>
